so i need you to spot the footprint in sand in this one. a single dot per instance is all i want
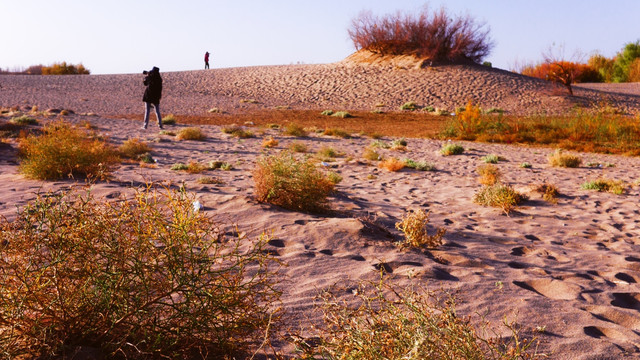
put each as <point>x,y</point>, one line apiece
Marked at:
<point>614,315</point>
<point>626,300</point>
<point>551,288</point>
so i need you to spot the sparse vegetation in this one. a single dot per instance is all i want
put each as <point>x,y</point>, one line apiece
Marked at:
<point>145,276</point>
<point>179,167</point>
<point>337,133</point>
<point>327,112</point>
<point>499,195</point>
<point>548,191</point>
<point>269,142</point>
<point>169,120</point>
<point>492,159</point>
<point>341,114</point>
<point>451,149</point>
<point>525,165</point>
<point>65,151</point>
<point>370,154</point>
<point>608,185</point>
<point>392,323</point>
<point>328,153</point>
<point>298,147</point>
<point>419,165</point>
<point>294,184</point>
<point>560,159</point>
<point>64,69</point>
<point>237,131</point>
<point>410,106</point>
<point>208,180</point>
<point>399,144</point>
<point>191,133</point>
<point>414,227</point>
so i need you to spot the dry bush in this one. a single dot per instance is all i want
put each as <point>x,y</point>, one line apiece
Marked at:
<point>337,133</point>
<point>392,164</point>
<point>387,322</point>
<point>295,130</point>
<point>191,133</point>
<point>435,35</point>
<point>451,149</point>
<point>142,277</point>
<point>414,227</point>
<point>499,195</point>
<point>133,148</point>
<point>298,147</point>
<point>269,142</point>
<point>327,153</point>
<point>293,184</point>
<point>419,165</point>
<point>237,131</point>
<point>617,187</point>
<point>370,154</point>
<point>489,174</point>
<point>341,114</point>
<point>559,159</point>
<point>23,120</point>
<point>169,120</point>
<point>66,151</point>
<point>549,192</point>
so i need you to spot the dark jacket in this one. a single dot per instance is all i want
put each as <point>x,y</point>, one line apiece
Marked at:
<point>153,92</point>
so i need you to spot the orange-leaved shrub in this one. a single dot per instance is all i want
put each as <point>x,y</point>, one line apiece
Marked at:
<point>63,150</point>
<point>146,276</point>
<point>432,34</point>
<point>294,184</point>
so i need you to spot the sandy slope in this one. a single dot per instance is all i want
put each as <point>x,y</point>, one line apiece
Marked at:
<point>572,267</point>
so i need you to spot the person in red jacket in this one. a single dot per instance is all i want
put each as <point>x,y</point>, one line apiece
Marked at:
<point>206,60</point>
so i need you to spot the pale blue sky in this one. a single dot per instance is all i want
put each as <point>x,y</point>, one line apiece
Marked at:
<point>127,36</point>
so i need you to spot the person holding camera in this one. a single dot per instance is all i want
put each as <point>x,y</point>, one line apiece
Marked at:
<point>152,94</point>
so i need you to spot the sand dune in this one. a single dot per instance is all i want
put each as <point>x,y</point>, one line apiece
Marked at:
<point>571,268</point>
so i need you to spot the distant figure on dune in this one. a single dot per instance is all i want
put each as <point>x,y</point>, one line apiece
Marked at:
<point>152,95</point>
<point>206,60</point>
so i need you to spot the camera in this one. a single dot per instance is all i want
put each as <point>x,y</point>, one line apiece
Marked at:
<point>145,72</point>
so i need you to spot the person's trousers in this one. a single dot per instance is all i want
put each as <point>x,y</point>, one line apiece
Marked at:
<point>146,114</point>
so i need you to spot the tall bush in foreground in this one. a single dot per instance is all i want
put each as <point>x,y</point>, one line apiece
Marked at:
<point>142,277</point>
<point>294,184</point>
<point>66,151</point>
<point>391,323</point>
<point>433,34</point>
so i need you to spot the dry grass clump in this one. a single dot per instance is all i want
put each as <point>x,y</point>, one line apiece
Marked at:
<point>489,174</point>
<point>337,133</point>
<point>414,227</point>
<point>409,105</point>
<point>392,164</point>
<point>217,164</point>
<point>133,148</point>
<point>419,165</point>
<point>370,154</point>
<point>328,153</point>
<point>492,159</point>
<point>208,180</point>
<point>298,147</point>
<point>559,159</point>
<point>341,114</point>
<point>237,131</point>
<point>617,187</point>
<point>293,184</point>
<point>499,195</point>
<point>451,149</point>
<point>142,277</point>
<point>169,120</point>
<point>399,144</point>
<point>66,151</point>
<point>269,142</point>
<point>191,133</point>
<point>386,322</point>
<point>295,130</point>
<point>549,192</point>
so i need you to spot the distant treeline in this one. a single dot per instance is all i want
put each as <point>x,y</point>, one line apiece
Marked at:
<point>623,67</point>
<point>56,69</point>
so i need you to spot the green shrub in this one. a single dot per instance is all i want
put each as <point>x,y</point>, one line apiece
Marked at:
<point>410,106</point>
<point>66,151</point>
<point>560,159</point>
<point>141,277</point>
<point>23,120</point>
<point>494,110</point>
<point>429,109</point>
<point>298,147</point>
<point>419,165</point>
<point>370,154</point>
<point>293,184</point>
<point>328,153</point>
<point>379,144</point>
<point>613,186</point>
<point>525,165</point>
<point>491,159</point>
<point>499,195</point>
<point>327,112</point>
<point>392,323</point>
<point>191,133</point>
<point>179,167</point>
<point>451,149</point>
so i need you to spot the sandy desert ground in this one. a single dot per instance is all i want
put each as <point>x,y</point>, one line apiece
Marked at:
<point>572,268</point>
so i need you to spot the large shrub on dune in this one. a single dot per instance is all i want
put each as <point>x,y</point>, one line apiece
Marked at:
<point>432,34</point>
